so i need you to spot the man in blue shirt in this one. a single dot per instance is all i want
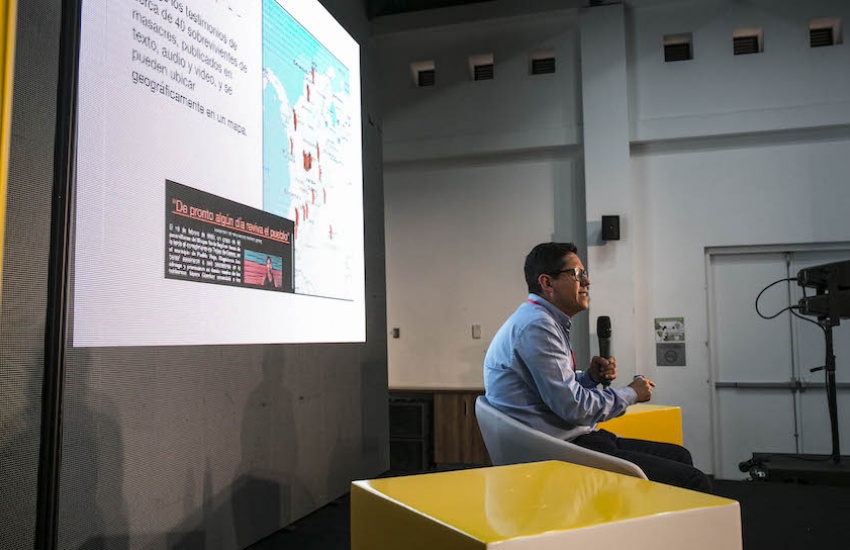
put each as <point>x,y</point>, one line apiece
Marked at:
<point>531,375</point>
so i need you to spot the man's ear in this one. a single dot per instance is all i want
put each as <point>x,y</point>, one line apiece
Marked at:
<point>545,281</point>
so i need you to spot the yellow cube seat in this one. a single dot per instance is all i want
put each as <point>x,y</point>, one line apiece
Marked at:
<point>540,505</point>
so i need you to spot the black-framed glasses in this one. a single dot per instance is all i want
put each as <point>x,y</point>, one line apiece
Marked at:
<point>576,273</point>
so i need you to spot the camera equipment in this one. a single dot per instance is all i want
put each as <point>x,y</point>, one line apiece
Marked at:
<point>829,305</point>
<point>832,286</point>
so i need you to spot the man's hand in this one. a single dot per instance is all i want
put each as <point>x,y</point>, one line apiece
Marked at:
<point>643,388</point>
<point>602,369</point>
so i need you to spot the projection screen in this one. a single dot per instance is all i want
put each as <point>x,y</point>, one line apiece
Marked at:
<point>218,175</point>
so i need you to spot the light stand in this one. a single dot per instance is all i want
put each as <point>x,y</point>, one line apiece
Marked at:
<point>830,304</point>
<point>831,388</point>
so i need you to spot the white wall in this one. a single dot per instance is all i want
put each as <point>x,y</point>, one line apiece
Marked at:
<point>466,162</point>
<point>725,150</point>
<point>753,189</point>
<point>789,85</point>
<point>689,190</point>
<point>458,116</point>
<point>726,193</point>
<point>457,236</point>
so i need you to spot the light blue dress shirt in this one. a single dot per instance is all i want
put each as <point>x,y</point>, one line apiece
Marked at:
<point>529,374</point>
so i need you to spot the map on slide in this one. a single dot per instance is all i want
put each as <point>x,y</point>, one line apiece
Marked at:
<point>306,141</point>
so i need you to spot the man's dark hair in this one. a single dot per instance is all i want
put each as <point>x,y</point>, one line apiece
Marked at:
<point>545,258</point>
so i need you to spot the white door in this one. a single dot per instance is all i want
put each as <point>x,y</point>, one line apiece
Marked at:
<point>765,399</point>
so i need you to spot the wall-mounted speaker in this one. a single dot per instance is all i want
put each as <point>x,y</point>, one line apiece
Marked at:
<point>610,228</point>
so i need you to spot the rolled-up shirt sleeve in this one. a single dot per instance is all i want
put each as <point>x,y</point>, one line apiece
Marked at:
<point>572,397</point>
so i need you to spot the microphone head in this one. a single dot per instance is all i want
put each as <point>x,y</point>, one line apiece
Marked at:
<point>603,326</point>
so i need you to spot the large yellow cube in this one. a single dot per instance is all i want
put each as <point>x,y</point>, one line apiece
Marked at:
<point>541,505</point>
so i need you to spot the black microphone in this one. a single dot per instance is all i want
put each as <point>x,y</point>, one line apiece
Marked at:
<point>603,331</point>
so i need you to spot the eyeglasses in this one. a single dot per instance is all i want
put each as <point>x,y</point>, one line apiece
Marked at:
<point>576,273</point>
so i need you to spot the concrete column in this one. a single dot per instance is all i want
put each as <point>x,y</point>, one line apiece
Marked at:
<point>605,111</point>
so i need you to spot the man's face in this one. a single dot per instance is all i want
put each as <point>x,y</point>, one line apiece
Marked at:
<point>564,291</point>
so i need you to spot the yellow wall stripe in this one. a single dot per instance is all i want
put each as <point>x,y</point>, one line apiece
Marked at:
<point>8,22</point>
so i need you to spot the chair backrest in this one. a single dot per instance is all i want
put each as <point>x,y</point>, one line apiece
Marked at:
<point>509,441</point>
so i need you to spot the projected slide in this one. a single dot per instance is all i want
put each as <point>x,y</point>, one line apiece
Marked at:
<point>219,175</point>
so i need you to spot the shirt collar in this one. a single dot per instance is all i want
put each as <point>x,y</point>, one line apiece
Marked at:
<point>559,315</point>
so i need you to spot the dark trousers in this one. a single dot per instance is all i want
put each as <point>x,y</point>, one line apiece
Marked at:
<point>662,462</point>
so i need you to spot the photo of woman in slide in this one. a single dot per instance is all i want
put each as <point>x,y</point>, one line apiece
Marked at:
<point>268,280</point>
<point>262,270</point>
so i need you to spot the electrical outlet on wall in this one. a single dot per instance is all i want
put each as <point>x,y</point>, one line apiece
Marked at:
<point>476,332</point>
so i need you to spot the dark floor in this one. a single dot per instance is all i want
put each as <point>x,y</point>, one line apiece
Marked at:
<point>775,516</point>
<point>326,528</point>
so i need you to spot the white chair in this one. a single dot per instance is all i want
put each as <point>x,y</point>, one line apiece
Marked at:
<point>509,441</point>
